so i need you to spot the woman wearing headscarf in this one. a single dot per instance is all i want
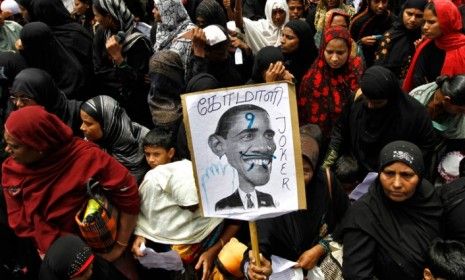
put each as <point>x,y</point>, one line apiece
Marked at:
<point>443,51</point>
<point>269,67</point>
<point>302,236</point>
<point>365,27</point>
<point>10,65</point>
<point>445,102</point>
<point>106,123</point>
<point>70,258</point>
<point>263,32</point>
<point>121,55</point>
<point>388,231</point>
<point>381,113</point>
<point>74,38</point>
<point>214,54</point>
<point>320,21</point>
<point>338,17</point>
<point>173,23</point>
<point>298,48</point>
<point>41,49</point>
<point>166,74</point>
<point>397,47</point>
<point>210,12</point>
<point>84,15</point>
<point>34,86</point>
<point>331,80</point>
<point>44,180</point>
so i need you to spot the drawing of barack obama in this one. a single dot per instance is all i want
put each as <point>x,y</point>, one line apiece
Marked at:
<point>244,135</point>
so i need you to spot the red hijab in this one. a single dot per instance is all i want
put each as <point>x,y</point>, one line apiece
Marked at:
<point>324,91</point>
<point>452,41</point>
<point>43,198</point>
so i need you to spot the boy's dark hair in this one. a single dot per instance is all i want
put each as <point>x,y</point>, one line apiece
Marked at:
<point>159,137</point>
<point>446,259</point>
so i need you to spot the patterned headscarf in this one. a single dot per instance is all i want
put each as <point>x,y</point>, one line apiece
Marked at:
<point>212,12</point>
<point>118,10</point>
<point>174,20</point>
<point>121,137</point>
<point>324,91</point>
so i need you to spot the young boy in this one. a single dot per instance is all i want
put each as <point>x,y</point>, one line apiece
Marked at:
<point>158,147</point>
<point>445,260</point>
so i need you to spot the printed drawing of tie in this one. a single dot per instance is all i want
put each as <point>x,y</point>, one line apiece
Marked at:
<point>249,201</point>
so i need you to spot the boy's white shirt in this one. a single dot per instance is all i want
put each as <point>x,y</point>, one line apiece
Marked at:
<point>161,219</point>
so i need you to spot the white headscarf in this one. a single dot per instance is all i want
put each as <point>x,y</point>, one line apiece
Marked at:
<point>262,33</point>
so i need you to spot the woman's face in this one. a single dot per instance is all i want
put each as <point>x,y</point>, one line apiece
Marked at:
<point>156,14</point>
<point>378,7</point>
<point>80,8</point>
<point>308,170</point>
<point>296,9</point>
<point>399,181</point>
<point>90,127</point>
<point>20,100</point>
<point>331,4</point>
<point>289,41</point>
<point>412,18</point>
<point>278,16</point>
<point>336,53</point>
<point>19,152</point>
<point>431,27</point>
<point>339,20</point>
<point>200,21</point>
<point>106,21</point>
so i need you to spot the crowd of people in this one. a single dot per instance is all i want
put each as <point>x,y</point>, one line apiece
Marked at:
<point>90,94</point>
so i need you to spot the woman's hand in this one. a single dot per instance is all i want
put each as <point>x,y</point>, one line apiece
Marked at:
<point>310,258</point>
<point>368,40</point>
<point>262,272</point>
<point>136,246</point>
<point>19,45</point>
<point>275,72</point>
<point>198,42</point>
<point>115,49</point>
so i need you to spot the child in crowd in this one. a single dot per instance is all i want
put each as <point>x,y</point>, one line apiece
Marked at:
<point>170,217</point>
<point>158,147</point>
<point>445,260</point>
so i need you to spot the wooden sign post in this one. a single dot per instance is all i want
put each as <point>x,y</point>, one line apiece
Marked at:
<point>254,241</point>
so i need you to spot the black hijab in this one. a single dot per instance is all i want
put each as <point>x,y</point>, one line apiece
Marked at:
<point>39,85</point>
<point>263,59</point>
<point>211,12</point>
<point>402,118</point>
<point>50,12</point>
<point>10,65</point>
<point>290,235</point>
<point>397,47</point>
<point>74,38</point>
<point>66,258</point>
<point>42,50</point>
<point>402,229</point>
<point>301,60</point>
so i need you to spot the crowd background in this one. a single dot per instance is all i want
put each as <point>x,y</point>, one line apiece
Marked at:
<point>90,89</point>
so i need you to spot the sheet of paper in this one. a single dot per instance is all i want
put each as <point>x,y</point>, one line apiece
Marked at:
<point>283,269</point>
<point>168,260</point>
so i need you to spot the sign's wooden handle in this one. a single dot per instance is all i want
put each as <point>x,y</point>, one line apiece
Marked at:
<point>254,240</point>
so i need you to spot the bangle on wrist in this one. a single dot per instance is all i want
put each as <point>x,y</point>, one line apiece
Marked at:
<point>121,243</point>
